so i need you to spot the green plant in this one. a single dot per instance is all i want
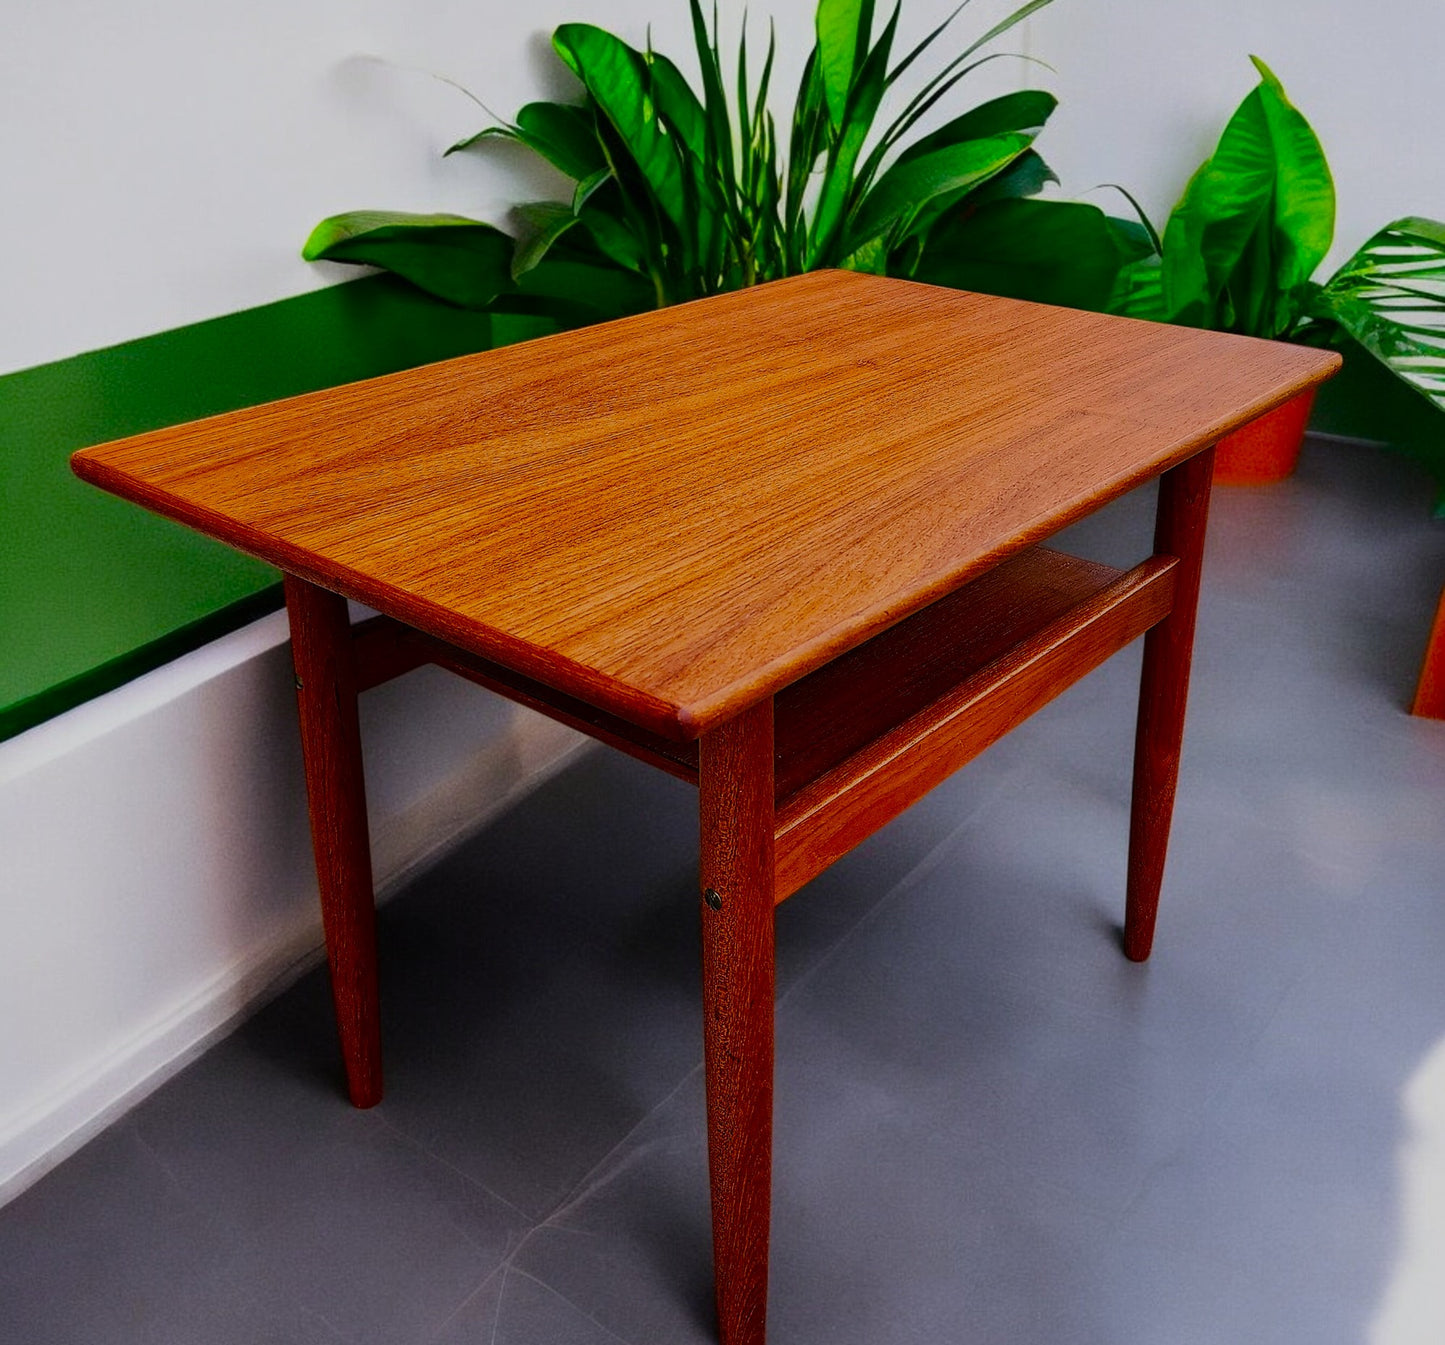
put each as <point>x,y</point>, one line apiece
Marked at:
<point>1241,248</point>
<point>677,195</point>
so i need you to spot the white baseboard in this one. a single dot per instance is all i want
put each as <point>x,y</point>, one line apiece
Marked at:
<point>71,1111</point>
<point>58,1124</point>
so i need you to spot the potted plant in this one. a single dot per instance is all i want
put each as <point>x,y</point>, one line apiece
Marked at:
<point>1239,254</point>
<point>679,194</point>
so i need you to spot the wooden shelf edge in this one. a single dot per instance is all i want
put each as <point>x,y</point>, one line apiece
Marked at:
<point>825,819</point>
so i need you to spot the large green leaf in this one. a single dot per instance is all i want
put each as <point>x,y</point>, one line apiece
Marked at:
<point>1304,194</point>
<point>907,189</point>
<point>1211,228</point>
<point>1254,221</point>
<point>559,132</point>
<point>838,185</point>
<point>1026,110</point>
<point>1135,239</point>
<point>1027,175</point>
<point>678,104</point>
<point>1390,297</point>
<point>1054,252</point>
<point>617,77</point>
<point>547,222</point>
<point>564,284</point>
<point>1139,287</point>
<point>1139,292</point>
<point>844,29</point>
<point>609,231</point>
<point>469,263</point>
<point>460,260</point>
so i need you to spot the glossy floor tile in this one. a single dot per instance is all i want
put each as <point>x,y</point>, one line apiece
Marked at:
<point>990,1127</point>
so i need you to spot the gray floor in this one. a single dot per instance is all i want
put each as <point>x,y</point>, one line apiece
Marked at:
<point>990,1127</point>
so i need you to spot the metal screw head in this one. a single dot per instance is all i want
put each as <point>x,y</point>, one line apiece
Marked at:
<point>713,899</point>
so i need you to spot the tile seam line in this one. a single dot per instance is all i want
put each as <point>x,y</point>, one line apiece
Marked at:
<point>226,1266</point>
<point>412,1142</point>
<point>552,1289</point>
<point>585,1184</point>
<point>587,1181</point>
<point>468,1298</point>
<point>501,1290</point>
<point>579,1192</point>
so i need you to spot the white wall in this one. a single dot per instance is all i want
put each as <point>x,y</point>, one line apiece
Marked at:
<point>1146,87</point>
<point>163,160</point>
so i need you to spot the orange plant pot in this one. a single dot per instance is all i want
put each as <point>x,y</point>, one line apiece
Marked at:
<point>1266,449</point>
<point>1430,693</point>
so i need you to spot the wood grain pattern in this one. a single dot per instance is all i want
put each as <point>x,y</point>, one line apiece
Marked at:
<point>825,820</point>
<point>1430,690</point>
<point>736,812</point>
<point>676,515</point>
<point>321,649</point>
<point>1179,529</point>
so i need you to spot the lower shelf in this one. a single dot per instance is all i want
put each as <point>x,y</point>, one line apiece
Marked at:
<point>868,734</point>
<point>839,807</point>
<point>838,710</point>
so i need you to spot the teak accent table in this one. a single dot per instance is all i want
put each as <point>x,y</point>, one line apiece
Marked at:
<point>782,544</point>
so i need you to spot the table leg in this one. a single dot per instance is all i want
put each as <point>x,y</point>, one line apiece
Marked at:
<point>1164,687</point>
<point>735,781</point>
<point>1429,699</point>
<point>321,648</point>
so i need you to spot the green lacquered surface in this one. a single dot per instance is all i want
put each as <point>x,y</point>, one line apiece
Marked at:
<point>94,591</point>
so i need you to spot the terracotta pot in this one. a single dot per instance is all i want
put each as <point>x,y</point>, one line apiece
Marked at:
<point>1430,693</point>
<point>1266,449</point>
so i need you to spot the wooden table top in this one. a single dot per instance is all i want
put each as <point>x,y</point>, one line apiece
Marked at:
<point>674,515</point>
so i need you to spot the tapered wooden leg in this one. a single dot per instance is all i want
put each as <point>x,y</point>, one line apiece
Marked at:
<point>1164,687</point>
<point>321,647</point>
<point>735,781</point>
<point>1430,691</point>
